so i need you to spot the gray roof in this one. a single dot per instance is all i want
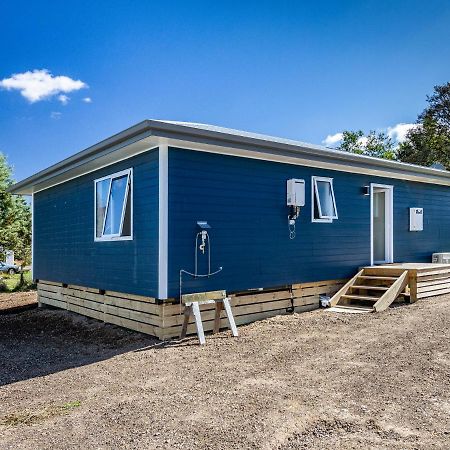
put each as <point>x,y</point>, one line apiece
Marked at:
<point>246,134</point>
<point>267,146</point>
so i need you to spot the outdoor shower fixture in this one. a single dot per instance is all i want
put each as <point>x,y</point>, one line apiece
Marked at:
<point>295,200</point>
<point>202,246</point>
<point>204,236</point>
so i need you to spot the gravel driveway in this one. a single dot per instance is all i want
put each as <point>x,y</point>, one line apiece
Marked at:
<point>312,380</point>
<point>15,300</point>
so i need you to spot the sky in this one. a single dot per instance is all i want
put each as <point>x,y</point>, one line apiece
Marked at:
<point>74,73</point>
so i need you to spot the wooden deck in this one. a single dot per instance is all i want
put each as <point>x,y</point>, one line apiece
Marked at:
<point>425,279</point>
<point>375,288</point>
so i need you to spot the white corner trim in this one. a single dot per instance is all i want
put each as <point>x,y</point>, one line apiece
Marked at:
<point>371,224</point>
<point>32,236</point>
<point>163,214</point>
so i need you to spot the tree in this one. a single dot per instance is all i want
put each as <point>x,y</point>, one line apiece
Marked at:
<point>378,145</point>
<point>429,142</point>
<point>438,109</point>
<point>15,217</point>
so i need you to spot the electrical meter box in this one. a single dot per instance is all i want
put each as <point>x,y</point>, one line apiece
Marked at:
<point>295,192</point>
<point>415,219</point>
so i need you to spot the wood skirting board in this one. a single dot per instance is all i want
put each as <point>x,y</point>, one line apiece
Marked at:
<point>164,320</point>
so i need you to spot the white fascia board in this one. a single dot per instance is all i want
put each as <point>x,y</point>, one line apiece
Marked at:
<point>100,163</point>
<point>151,133</point>
<point>320,162</point>
<point>65,171</point>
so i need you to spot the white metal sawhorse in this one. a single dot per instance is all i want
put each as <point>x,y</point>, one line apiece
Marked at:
<point>192,304</point>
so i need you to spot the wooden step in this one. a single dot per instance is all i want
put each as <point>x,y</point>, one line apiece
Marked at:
<point>350,309</point>
<point>374,277</point>
<point>387,287</point>
<point>335,299</point>
<point>361,297</point>
<point>370,288</point>
<point>384,271</point>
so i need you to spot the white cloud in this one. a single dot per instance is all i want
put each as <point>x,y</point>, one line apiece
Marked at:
<point>87,100</point>
<point>362,141</point>
<point>55,115</point>
<point>38,85</point>
<point>64,99</point>
<point>398,132</point>
<point>332,139</point>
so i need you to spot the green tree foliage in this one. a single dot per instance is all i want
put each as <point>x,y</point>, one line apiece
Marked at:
<point>15,217</point>
<point>429,142</point>
<point>376,144</point>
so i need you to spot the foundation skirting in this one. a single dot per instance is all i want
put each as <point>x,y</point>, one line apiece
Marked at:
<point>164,320</point>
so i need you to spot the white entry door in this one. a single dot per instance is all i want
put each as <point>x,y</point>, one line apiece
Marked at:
<point>381,224</point>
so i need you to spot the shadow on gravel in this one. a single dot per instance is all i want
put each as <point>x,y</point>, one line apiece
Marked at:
<point>40,342</point>
<point>188,341</point>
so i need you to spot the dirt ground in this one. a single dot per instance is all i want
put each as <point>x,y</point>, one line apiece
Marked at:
<point>313,380</point>
<point>15,300</point>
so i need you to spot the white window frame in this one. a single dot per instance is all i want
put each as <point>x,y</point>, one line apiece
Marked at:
<point>129,189</point>
<point>315,197</point>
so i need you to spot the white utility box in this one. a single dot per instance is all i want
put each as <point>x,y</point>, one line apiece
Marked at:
<point>441,258</point>
<point>295,192</point>
<point>415,219</point>
<point>9,257</point>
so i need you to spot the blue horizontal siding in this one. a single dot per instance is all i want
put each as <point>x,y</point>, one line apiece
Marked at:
<point>64,248</point>
<point>244,201</point>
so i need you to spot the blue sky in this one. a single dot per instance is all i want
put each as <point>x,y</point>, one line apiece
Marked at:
<point>299,69</point>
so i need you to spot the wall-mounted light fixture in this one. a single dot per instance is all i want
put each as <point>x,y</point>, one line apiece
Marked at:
<point>366,190</point>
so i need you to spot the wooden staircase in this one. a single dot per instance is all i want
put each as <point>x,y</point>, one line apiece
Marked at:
<point>369,291</point>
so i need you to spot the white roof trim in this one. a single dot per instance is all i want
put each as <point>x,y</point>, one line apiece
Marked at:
<point>151,133</point>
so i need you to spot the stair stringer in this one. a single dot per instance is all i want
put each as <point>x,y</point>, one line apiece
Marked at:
<point>336,297</point>
<point>392,293</point>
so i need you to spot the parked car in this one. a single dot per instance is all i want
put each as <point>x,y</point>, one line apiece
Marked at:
<point>10,269</point>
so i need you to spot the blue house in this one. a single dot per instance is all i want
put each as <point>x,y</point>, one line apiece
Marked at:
<point>165,208</point>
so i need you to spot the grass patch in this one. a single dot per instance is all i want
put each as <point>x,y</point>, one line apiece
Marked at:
<point>11,283</point>
<point>71,405</point>
<point>32,417</point>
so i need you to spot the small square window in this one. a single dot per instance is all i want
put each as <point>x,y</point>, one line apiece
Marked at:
<point>323,202</point>
<point>113,207</point>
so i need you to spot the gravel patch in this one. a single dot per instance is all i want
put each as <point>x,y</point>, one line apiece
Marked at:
<point>13,300</point>
<point>314,380</point>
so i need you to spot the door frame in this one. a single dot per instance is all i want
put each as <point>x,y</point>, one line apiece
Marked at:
<point>389,225</point>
